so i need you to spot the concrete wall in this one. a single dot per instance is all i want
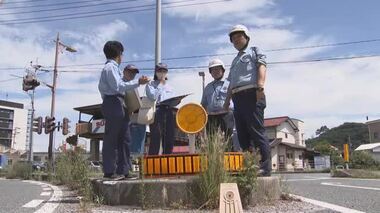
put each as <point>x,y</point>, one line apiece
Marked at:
<point>376,155</point>
<point>374,131</point>
<point>274,156</point>
<point>298,159</point>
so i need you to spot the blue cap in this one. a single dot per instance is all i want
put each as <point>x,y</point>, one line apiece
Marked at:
<point>161,66</point>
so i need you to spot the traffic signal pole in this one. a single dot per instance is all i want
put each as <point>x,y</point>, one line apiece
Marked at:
<point>52,110</point>
<point>30,156</point>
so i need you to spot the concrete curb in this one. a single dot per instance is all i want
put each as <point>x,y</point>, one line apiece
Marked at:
<point>171,193</point>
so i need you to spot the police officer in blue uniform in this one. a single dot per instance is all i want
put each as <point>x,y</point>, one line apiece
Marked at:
<point>112,89</point>
<point>214,95</point>
<point>247,79</point>
<point>163,126</point>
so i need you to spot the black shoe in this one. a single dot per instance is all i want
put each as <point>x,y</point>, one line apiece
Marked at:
<point>113,177</point>
<point>131,176</point>
<point>263,173</point>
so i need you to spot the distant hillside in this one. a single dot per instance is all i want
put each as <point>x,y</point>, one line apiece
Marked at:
<point>337,136</point>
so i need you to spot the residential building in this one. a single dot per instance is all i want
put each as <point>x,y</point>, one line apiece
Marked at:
<point>13,126</point>
<point>372,148</point>
<point>288,148</point>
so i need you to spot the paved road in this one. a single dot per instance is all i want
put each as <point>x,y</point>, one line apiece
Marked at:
<point>19,196</point>
<point>357,194</point>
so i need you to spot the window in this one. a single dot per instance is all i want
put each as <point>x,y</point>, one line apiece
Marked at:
<point>289,155</point>
<point>6,113</point>
<point>286,135</point>
<point>375,135</point>
<point>300,157</point>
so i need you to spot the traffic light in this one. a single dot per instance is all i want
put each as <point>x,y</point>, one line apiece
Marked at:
<point>49,124</point>
<point>29,82</point>
<point>72,140</point>
<point>37,125</point>
<point>65,126</point>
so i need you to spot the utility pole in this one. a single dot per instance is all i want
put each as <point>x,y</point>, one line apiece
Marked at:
<point>53,90</point>
<point>158,32</point>
<point>52,109</point>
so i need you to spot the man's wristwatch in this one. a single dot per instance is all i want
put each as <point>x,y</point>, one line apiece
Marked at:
<point>260,89</point>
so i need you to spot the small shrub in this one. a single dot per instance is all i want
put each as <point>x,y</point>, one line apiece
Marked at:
<point>247,177</point>
<point>363,160</point>
<point>207,187</point>
<point>20,169</point>
<point>72,170</point>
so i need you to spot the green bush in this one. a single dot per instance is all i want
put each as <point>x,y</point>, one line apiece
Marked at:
<point>72,170</point>
<point>247,177</point>
<point>20,169</point>
<point>363,160</point>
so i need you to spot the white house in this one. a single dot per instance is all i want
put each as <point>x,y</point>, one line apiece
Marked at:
<point>288,148</point>
<point>372,148</point>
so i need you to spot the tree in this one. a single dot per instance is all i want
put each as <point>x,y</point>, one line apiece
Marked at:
<point>321,130</point>
<point>325,148</point>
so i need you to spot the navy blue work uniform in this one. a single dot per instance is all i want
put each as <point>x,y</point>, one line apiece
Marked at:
<point>212,100</point>
<point>248,111</point>
<point>163,126</point>
<point>116,136</point>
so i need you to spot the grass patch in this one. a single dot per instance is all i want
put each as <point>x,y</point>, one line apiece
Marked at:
<point>21,169</point>
<point>357,173</point>
<point>207,187</point>
<point>72,170</point>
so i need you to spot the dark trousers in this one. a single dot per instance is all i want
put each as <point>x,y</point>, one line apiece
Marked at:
<point>116,137</point>
<point>162,130</point>
<point>215,122</point>
<point>249,121</point>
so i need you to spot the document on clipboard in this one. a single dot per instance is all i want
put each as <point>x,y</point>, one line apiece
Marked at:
<point>174,101</point>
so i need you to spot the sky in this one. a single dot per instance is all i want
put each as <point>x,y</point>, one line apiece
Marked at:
<point>320,93</point>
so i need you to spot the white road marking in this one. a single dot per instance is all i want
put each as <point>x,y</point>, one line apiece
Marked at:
<point>45,194</point>
<point>53,202</point>
<point>350,186</point>
<point>46,189</point>
<point>306,179</point>
<point>326,205</point>
<point>33,204</point>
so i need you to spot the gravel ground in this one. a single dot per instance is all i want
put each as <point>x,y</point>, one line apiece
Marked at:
<point>71,203</point>
<point>282,206</point>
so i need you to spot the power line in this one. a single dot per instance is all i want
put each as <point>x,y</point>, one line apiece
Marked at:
<point>11,79</point>
<point>100,13</point>
<point>212,55</point>
<point>224,54</point>
<point>66,8</point>
<point>47,5</point>
<point>269,63</point>
<point>18,2</point>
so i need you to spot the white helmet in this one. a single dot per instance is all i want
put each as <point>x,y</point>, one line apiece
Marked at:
<point>239,28</point>
<point>214,63</point>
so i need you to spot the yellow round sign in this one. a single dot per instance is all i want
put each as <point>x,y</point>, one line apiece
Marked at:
<point>191,118</point>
